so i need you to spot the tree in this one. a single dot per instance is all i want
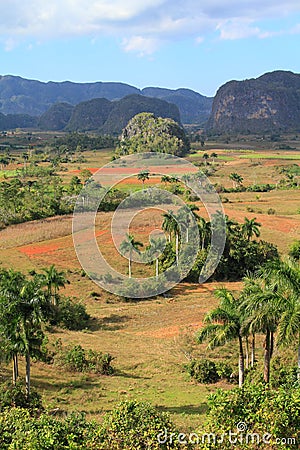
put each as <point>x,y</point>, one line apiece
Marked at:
<point>284,278</point>
<point>143,175</point>
<point>205,156</point>
<point>156,247</point>
<point>170,225</point>
<point>53,280</point>
<point>236,179</point>
<point>128,246</point>
<point>262,307</point>
<point>22,307</point>
<point>250,228</point>
<point>224,324</point>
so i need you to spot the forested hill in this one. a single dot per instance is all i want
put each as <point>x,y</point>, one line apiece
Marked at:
<point>102,115</point>
<point>22,96</point>
<point>268,103</point>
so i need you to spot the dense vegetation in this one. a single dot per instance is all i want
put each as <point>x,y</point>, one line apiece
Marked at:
<point>148,133</point>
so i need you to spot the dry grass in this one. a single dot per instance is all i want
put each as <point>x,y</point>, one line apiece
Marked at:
<point>150,339</point>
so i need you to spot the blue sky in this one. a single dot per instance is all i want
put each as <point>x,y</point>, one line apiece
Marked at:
<point>168,43</point>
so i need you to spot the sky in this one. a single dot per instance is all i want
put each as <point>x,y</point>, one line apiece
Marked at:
<point>195,44</point>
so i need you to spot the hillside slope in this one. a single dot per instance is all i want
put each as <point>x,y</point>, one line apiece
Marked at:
<point>268,103</point>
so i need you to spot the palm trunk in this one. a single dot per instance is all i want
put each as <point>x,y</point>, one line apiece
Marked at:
<point>247,352</point>
<point>129,267</point>
<point>187,235</point>
<point>177,245</point>
<point>253,350</point>
<point>27,381</point>
<point>271,344</point>
<point>241,363</point>
<point>15,368</point>
<point>156,268</point>
<point>267,357</point>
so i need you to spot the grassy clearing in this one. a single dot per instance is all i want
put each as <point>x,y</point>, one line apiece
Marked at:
<point>149,339</point>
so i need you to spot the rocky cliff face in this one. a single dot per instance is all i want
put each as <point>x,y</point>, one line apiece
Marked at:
<point>270,102</point>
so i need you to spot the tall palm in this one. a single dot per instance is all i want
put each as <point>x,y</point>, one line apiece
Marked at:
<point>156,247</point>
<point>284,277</point>
<point>204,231</point>
<point>143,175</point>
<point>236,179</point>
<point>31,308</point>
<point>53,280</point>
<point>128,246</point>
<point>262,308</point>
<point>185,220</point>
<point>10,284</point>
<point>224,324</point>
<point>22,306</point>
<point>250,228</point>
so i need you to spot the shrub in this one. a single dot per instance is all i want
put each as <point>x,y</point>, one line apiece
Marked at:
<point>224,370</point>
<point>15,396</point>
<point>133,425</point>
<point>71,315</point>
<point>203,371</point>
<point>260,410</point>
<point>294,250</point>
<point>76,359</point>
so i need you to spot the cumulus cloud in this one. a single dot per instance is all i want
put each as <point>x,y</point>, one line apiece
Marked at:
<point>141,25</point>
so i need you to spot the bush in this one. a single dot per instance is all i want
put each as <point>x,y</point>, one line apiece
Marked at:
<point>203,371</point>
<point>295,250</point>
<point>224,370</point>
<point>15,396</point>
<point>261,409</point>
<point>133,425</point>
<point>20,431</point>
<point>71,315</point>
<point>76,359</point>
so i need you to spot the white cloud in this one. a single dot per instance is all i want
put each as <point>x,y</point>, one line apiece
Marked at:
<point>140,24</point>
<point>139,44</point>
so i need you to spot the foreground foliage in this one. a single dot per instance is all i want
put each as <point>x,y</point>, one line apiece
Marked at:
<point>131,425</point>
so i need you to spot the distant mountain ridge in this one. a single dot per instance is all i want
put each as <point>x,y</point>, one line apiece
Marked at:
<point>22,96</point>
<point>270,102</point>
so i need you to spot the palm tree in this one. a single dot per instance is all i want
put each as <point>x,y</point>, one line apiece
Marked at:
<point>185,219</point>
<point>204,231</point>
<point>143,175</point>
<point>53,280</point>
<point>225,324</point>
<point>156,247</point>
<point>262,307</point>
<point>22,306</point>
<point>31,307</point>
<point>128,246</point>
<point>250,228</point>
<point>284,277</point>
<point>165,179</point>
<point>168,223</point>
<point>236,179</point>
<point>10,284</point>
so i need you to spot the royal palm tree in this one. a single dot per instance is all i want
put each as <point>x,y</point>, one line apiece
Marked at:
<point>156,247</point>
<point>236,179</point>
<point>22,307</point>
<point>250,228</point>
<point>143,175</point>
<point>262,308</point>
<point>284,277</point>
<point>53,280</point>
<point>128,246</point>
<point>224,324</point>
